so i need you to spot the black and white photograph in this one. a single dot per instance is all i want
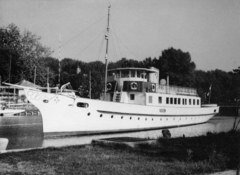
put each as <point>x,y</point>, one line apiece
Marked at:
<point>120,87</point>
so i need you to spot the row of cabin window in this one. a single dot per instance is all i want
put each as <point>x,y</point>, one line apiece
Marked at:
<point>171,100</point>
<point>130,73</point>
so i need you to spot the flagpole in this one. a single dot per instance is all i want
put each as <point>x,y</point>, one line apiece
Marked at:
<point>210,88</point>
<point>90,84</point>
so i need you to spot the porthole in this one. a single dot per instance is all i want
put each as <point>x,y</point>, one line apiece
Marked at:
<point>88,113</point>
<point>138,118</point>
<point>130,118</point>
<point>145,118</point>
<point>45,101</point>
<point>122,117</point>
<point>152,119</point>
<point>112,116</point>
<point>82,105</point>
<point>101,115</point>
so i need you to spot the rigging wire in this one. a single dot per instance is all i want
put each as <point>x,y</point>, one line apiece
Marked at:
<point>114,48</point>
<point>89,44</point>
<point>116,39</point>
<point>126,47</point>
<point>100,50</point>
<point>82,32</point>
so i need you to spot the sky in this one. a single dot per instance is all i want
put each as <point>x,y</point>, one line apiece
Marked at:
<point>208,29</point>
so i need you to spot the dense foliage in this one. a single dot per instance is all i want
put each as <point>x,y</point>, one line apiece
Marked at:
<point>22,54</point>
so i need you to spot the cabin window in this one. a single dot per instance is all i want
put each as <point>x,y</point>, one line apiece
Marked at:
<point>82,105</point>
<point>150,99</point>
<point>193,101</point>
<point>167,100</point>
<point>160,100</point>
<point>132,73</point>
<point>175,100</point>
<point>171,100</point>
<point>125,73</point>
<point>132,97</point>
<point>118,74</point>
<point>179,101</point>
<point>190,101</point>
<point>138,74</point>
<point>197,102</point>
<point>143,75</point>
<point>183,101</point>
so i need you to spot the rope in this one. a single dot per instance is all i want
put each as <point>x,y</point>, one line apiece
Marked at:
<point>81,32</point>
<point>89,44</point>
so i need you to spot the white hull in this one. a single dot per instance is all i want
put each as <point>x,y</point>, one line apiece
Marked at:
<point>62,116</point>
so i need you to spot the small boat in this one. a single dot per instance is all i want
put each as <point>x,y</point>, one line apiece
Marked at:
<point>9,112</point>
<point>134,100</point>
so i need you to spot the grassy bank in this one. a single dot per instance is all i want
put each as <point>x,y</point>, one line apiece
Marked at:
<point>197,155</point>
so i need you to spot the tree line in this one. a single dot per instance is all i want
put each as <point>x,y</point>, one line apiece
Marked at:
<point>22,53</point>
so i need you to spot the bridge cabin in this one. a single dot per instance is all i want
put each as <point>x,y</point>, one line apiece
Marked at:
<point>141,86</point>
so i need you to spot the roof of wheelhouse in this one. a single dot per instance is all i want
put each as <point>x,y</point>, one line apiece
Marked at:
<point>133,68</point>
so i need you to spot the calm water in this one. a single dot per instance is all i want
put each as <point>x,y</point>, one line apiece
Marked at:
<point>26,132</point>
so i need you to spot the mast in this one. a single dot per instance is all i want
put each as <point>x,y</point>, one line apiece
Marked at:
<point>59,61</point>
<point>106,37</point>
<point>10,66</point>
<point>35,71</point>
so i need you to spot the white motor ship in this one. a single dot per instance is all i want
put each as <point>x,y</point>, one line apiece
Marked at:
<point>134,101</point>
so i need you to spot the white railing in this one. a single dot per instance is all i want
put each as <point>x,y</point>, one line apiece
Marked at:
<point>177,90</point>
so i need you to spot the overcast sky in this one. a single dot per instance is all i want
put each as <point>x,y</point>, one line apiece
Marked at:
<point>208,29</point>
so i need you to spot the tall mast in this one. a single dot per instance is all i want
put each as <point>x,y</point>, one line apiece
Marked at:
<point>106,56</point>
<point>59,61</point>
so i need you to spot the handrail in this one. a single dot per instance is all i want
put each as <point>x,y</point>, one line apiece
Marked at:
<point>177,90</point>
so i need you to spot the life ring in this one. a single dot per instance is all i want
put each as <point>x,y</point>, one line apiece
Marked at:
<point>134,85</point>
<point>153,87</point>
<point>109,86</point>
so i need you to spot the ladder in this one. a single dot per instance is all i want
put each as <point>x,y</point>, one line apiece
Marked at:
<point>118,96</point>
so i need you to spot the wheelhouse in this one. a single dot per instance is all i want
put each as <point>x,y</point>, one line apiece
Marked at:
<point>141,86</point>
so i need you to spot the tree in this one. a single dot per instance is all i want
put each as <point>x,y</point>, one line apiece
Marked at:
<point>10,46</point>
<point>236,71</point>
<point>178,65</point>
<point>20,54</point>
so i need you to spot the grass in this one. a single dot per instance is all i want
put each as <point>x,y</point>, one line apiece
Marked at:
<point>197,155</point>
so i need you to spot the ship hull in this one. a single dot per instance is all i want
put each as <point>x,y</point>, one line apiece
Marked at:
<point>63,115</point>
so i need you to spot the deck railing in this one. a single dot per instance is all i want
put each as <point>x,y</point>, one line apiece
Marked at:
<point>176,90</point>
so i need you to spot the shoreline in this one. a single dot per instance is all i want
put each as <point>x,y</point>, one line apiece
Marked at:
<point>190,155</point>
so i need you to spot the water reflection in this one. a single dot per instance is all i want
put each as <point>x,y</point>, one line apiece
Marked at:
<point>22,131</point>
<point>26,132</point>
